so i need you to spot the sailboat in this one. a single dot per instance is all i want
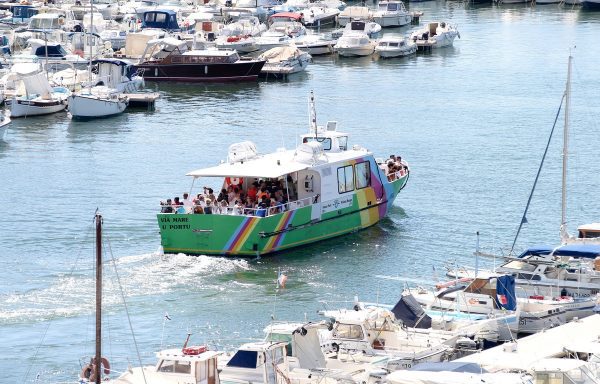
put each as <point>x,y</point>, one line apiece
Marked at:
<point>36,97</point>
<point>95,101</point>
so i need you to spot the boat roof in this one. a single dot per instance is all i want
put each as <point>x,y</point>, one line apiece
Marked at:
<point>111,60</point>
<point>287,15</point>
<point>589,227</point>
<point>589,251</point>
<point>210,52</point>
<point>276,164</point>
<point>557,365</point>
<point>162,10</point>
<point>261,346</point>
<point>177,354</point>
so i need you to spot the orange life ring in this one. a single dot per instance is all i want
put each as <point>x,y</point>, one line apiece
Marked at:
<point>233,181</point>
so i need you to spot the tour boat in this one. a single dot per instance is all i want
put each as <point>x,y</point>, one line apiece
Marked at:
<point>332,189</point>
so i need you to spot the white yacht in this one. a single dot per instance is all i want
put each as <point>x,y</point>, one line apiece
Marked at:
<point>317,17</point>
<point>355,43</point>
<point>284,60</point>
<point>353,12</point>
<point>391,13</point>
<point>393,45</point>
<point>435,35</point>
<point>280,33</point>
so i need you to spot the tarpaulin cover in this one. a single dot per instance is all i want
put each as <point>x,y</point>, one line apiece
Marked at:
<point>411,313</point>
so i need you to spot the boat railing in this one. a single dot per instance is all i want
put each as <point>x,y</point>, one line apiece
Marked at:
<point>243,211</point>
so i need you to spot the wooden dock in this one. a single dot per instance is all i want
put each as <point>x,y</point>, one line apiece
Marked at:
<point>142,100</point>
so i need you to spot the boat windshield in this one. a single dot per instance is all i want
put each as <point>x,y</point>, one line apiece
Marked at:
<point>44,23</point>
<point>519,265</point>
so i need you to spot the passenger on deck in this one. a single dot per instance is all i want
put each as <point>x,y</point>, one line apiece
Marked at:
<point>262,193</point>
<point>391,171</point>
<point>253,190</point>
<point>198,210</point>
<point>209,207</point>
<point>222,196</point>
<point>177,203</point>
<point>223,207</point>
<point>249,206</point>
<point>261,210</point>
<point>210,195</point>
<point>166,207</point>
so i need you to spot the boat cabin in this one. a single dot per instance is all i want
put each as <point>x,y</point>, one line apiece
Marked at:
<point>589,231</point>
<point>46,22</point>
<point>257,362</point>
<point>391,7</point>
<point>188,365</point>
<point>162,19</point>
<point>22,13</point>
<point>111,72</point>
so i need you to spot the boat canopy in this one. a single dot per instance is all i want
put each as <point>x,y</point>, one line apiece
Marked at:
<point>161,18</point>
<point>586,251</point>
<point>286,16</point>
<point>267,166</point>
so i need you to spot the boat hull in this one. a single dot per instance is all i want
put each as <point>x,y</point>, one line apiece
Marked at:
<point>231,235</point>
<point>244,70</point>
<point>23,108</point>
<point>85,107</point>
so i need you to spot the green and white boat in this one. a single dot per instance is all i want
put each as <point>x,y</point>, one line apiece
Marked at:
<point>330,189</point>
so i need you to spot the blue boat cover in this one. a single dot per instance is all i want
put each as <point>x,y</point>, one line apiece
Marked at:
<point>505,292</point>
<point>586,251</point>
<point>410,312</point>
<point>164,19</point>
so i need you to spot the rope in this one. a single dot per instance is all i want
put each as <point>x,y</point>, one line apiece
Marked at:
<point>137,350</point>
<point>524,218</point>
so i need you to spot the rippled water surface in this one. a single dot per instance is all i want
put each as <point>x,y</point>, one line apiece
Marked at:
<point>472,120</point>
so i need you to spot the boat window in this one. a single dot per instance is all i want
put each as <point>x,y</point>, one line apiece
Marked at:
<point>392,7</point>
<point>348,331</point>
<point>586,234</point>
<point>325,141</point>
<point>345,179</point>
<point>167,366</point>
<point>528,276</point>
<point>278,355</point>
<point>282,337</point>
<point>343,142</point>
<point>363,174</point>
<point>393,44</point>
<point>243,359</point>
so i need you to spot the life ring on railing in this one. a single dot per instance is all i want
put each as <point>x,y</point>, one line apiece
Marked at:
<point>233,181</point>
<point>89,370</point>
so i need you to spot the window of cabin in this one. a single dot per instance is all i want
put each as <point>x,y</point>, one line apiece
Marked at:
<point>363,174</point>
<point>325,141</point>
<point>345,179</point>
<point>348,331</point>
<point>343,140</point>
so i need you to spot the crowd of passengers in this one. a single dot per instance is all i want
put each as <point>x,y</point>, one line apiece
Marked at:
<point>395,168</point>
<point>262,198</point>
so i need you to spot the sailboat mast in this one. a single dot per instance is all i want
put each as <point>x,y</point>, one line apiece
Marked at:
<point>90,31</point>
<point>565,153</point>
<point>98,358</point>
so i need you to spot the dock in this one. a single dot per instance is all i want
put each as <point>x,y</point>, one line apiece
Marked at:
<point>142,100</point>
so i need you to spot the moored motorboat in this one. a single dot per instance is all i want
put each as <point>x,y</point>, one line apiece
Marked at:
<point>354,43</point>
<point>392,13</point>
<point>283,61</point>
<point>169,59</point>
<point>316,44</point>
<point>435,35</point>
<point>395,46</point>
<point>322,189</point>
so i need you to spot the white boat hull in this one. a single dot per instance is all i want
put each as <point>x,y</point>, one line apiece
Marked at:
<point>389,52</point>
<point>355,51</point>
<point>89,106</point>
<point>393,20</point>
<point>24,108</point>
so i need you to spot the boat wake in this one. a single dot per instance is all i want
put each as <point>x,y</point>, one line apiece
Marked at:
<point>67,295</point>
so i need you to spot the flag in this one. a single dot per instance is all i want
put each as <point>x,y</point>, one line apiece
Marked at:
<point>502,299</point>
<point>167,317</point>
<point>281,279</point>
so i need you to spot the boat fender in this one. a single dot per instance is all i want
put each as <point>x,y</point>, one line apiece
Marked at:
<point>329,326</point>
<point>303,331</point>
<point>356,307</point>
<point>335,347</point>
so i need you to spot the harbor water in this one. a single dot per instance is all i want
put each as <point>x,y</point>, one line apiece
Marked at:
<point>472,121</point>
